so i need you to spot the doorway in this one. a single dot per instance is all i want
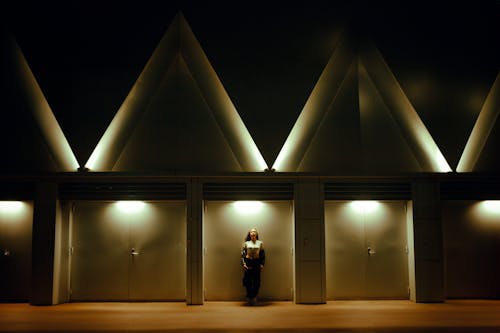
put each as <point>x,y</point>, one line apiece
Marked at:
<point>16,223</point>
<point>366,250</point>
<point>128,250</point>
<point>225,225</point>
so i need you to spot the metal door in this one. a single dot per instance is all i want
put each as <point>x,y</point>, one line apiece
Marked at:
<point>225,227</point>
<point>158,269</point>
<point>16,221</point>
<point>366,255</point>
<point>100,252</point>
<point>126,252</point>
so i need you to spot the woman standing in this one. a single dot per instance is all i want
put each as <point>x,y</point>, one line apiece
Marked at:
<point>253,258</point>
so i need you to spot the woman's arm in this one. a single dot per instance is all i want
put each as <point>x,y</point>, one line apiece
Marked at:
<point>243,256</point>
<point>262,255</point>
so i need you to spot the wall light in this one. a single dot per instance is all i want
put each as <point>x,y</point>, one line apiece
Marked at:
<point>130,206</point>
<point>486,214</point>
<point>365,206</point>
<point>248,207</point>
<point>491,206</point>
<point>10,206</point>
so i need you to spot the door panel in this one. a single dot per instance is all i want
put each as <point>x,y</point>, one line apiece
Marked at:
<point>16,221</point>
<point>224,231</point>
<point>366,251</point>
<point>158,271</point>
<point>100,258</point>
<point>128,255</point>
<point>345,250</point>
<point>387,267</point>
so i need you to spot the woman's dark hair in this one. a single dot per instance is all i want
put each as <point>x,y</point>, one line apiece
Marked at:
<point>248,235</point>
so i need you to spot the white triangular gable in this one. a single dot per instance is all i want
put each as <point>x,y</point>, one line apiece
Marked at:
<point>49,127</point>
<point>178,39</point>
<point>324,93</point>
<point>482,129</point>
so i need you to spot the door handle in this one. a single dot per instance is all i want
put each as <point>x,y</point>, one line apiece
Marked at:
<point>134,252</point>
<point>371,251</point>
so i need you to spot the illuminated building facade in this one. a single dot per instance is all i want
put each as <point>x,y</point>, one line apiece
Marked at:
<point>374,176</point>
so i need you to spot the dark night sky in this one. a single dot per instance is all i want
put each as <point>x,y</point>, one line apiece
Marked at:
<point>86,55</point>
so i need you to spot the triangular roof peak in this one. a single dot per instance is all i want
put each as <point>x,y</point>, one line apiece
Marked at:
<point>325,92</point>
<point>177,40</point>
<point>484,124</point>
<point>52,133</point>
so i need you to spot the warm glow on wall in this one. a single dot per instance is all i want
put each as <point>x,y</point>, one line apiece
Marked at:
<point>11,207</point>
<point>248,207</point>
<point>130,207</point>
<point>365,206</point>
<point>486,214</point>
<point>491,206</point>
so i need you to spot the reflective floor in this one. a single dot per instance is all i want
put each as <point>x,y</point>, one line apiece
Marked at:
<point>339,316</point>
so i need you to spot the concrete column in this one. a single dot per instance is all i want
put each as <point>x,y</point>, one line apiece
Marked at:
<point>428,242</point>
<point>43,246</point>
<point>194,274</point>
<point>310,276</point>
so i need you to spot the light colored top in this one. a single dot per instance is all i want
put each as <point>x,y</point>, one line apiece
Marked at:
<point>253,249</point>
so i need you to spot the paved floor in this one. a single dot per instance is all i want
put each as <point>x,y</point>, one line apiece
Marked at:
<point>338,316</point>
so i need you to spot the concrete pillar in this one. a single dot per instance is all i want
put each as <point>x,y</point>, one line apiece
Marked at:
<point>194,274</point>
<point>310,276</point>
<point>43,246</point>
<point>428,241</point>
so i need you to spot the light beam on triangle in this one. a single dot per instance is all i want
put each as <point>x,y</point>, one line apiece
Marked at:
<point>178,39</point>
<point>51,131</point>
<point>482,129</point>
